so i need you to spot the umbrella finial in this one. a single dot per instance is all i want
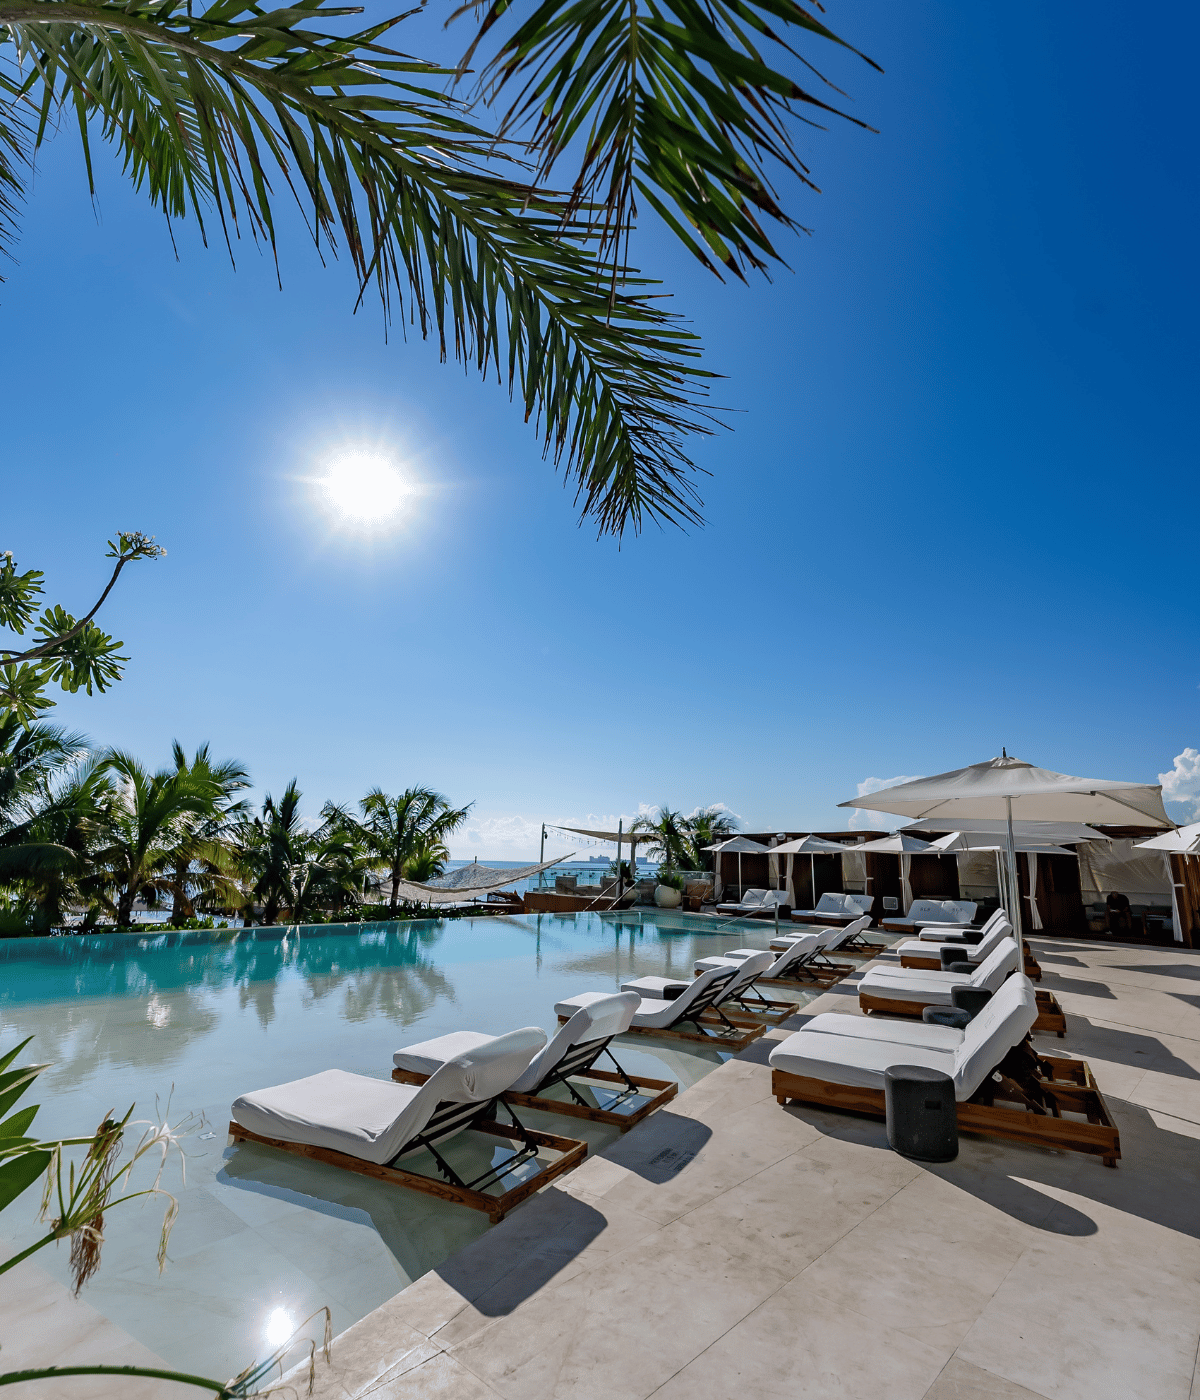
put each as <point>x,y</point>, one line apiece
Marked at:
<point>1003,753</point>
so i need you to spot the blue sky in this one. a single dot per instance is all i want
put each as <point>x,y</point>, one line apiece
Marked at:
<point>957,509</point>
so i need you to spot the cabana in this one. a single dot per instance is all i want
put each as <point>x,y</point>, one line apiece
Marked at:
<point>900,844</point>
<point>1008,789</point>
<point>736,845</point>
<point>810,846</point>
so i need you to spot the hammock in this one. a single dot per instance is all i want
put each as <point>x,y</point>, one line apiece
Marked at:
<point>463,884</point>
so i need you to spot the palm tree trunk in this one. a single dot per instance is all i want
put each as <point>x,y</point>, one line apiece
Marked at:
<point>179,903</point>
<point>125,906</point>
<point>394,901</point>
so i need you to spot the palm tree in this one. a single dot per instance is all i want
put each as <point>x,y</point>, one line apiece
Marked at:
<point>404,829</point>
<point>274,846</point>
<point>202,858</point>
<point>140,829</point>
<point>705,827</point>
<point>214,109</point>
<point>46,860</point>
<point>668,831</point>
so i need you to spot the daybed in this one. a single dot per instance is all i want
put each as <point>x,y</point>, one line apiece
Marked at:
<point>367,1125</point>
<point>836,908</point>
<point>924,912</point>
<point>1001,1086</point>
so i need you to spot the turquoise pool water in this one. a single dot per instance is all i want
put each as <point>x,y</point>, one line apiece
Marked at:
<point>263,1237</point>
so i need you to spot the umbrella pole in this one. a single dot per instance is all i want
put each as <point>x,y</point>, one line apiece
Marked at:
<point>1014,886</point>
<point>812,877</point>
<point>741,892</point>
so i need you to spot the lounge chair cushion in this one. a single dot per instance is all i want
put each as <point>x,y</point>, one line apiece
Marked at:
<point>840,906</point>
<point>844,1059</point>
<point>847,1059</point>
<point>934,988</point>
<point>937,911</point>
<point>895,1032</point>
<point>793,954</point>
<point>930,933</point>
<point>428,1056</point>
<point>374,1118</point>
<point>655,986</point>
<point>972,952</point>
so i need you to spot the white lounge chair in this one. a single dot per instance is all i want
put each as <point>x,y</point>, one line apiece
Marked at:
<point>847,938</point>
<point>569,1057</point>
<point>367,1125</point>
<point>699,1005</point>
<point>925,912</point>
<point>755,903</point>
<point>954,933</point>
<point>1001,1086</point>
<point>906,992</point>
<point>741,990</point>
<point>916,950</point>
<point>794,955</point>
<point>836,908</point>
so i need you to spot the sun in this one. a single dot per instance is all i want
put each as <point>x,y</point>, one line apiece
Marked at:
<point>364,488</point>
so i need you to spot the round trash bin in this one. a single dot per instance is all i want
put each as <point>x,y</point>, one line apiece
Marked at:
<point>952,957</point>
<point>954,1016</point>
<point>921,1118</point>
<point>970,999</point>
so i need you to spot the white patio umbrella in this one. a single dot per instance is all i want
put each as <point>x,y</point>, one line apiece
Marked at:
<point>901,844</point>
<point>1183,841</point>
<point>1006,788</point>
<point>735,845</point>
<point>812,847</point>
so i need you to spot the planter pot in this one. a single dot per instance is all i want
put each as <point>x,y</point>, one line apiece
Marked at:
<point>667,897</point>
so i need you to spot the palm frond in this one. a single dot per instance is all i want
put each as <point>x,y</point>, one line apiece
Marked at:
<point>208,111</point>
<point>672,101</point>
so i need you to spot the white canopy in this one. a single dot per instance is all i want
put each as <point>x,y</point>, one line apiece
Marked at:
<point>626,838</point>
<point>811,845</point>
<point>737,845</point>
<point>1048,833</point>
<point>899,843</point>
<point>958,841</point>
<point>1004,789</point>
<point>1036,794</point>
<point>1183,841</point>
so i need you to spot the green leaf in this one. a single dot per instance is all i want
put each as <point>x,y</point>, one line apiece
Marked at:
<point>210,113</point>
<point>678,91</point>
<point>17,1124</point>
<point>19,1173</point>
<point>15,1082</point>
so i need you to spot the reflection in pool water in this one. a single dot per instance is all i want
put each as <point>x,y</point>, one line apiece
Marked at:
<point>202,1017</point>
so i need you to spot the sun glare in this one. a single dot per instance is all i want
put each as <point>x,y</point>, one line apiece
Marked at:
<point>364,488</point>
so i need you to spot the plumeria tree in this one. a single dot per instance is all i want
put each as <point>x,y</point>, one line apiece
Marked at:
<point>72,653</point>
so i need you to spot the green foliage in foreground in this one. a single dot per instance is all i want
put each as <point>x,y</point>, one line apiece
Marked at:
<point>215,112</point>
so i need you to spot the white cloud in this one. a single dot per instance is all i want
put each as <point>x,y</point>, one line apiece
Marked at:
<point>861,817</point>
<point>1182,783</point>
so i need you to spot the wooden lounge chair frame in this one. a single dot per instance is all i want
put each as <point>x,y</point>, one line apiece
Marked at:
<point>449,1118</point>
<point>579,1063</point>
<point>1072,1089</point>
<point>1050,1017</point>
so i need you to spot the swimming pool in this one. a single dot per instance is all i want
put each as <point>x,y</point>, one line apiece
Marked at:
<point>264,1237</point>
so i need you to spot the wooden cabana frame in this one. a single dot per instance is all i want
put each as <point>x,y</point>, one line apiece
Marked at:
<point>1050,1017</point>
<point>572,1150</point>
<point>1072,1090</point>
<point>656,1091</point>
